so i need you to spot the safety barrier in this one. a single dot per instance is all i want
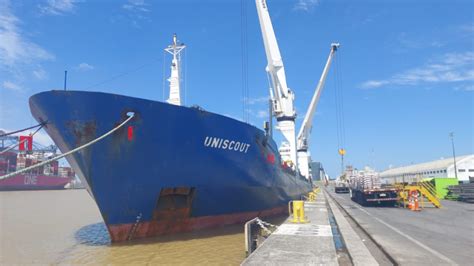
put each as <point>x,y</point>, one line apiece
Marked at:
<point>407,195</point>
<point>256,231</point>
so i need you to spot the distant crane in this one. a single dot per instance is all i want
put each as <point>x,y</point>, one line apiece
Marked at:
<point>304,156</point>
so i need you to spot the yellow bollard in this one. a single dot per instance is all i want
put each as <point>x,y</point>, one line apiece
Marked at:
<point>298,211</point>
<point>311,197</point>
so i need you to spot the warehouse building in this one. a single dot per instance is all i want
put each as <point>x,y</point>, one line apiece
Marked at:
<point>317,171</point>
<point>444,168</point>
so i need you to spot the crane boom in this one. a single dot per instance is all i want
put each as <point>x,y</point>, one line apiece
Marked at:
<point>305,130</point>
<point>282,96</point>
<point>308,119</point>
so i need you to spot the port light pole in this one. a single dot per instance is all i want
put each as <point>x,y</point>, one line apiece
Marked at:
<point>451,135</point>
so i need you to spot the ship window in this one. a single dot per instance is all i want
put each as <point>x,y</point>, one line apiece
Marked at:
<point>471,170</point>
<point>462,170</point>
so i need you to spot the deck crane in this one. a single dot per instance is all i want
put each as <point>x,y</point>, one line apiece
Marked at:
<point>281,96</point>
<point>305,130</point>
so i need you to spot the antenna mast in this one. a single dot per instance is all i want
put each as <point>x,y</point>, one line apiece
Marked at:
<point>175,89</point>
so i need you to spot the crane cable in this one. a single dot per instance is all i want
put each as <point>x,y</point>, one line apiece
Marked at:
<point>69,152</point>
<point>23,141</point>
<point>244,61</point>
<point>340,117</point>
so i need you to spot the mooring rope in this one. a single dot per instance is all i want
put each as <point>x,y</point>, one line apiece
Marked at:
<point>23,141</point>
<point>21,130</point>
<point>263,225</point>
<point>131,115</point>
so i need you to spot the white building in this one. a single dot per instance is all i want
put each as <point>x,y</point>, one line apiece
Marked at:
<point>439,168</point>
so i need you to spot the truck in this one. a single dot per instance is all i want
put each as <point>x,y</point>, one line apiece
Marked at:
<point>341,187</point>
<point>367,190</point>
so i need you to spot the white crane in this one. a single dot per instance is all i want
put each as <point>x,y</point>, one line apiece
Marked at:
<point>175,89</point>
<point>305,130</point>
<point>282,97</point>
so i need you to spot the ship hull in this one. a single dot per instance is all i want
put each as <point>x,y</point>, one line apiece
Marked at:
<point>33,182</point>
<point>171,168</point>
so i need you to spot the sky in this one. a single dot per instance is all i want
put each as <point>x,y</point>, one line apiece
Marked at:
<point>402,80</point>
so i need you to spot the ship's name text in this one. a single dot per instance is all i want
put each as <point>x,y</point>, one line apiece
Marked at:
<point>226,144</point>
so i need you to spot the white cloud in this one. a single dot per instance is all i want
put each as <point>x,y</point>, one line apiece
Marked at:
<point>8,85</point>
<point>85,67</point>
<point>467,87</point>
<point>306,5</point>
<point>451,67</point>
<point>40,74</point>
<point>14,47</point>
<point>262,114</point>
<point>58,7</point>
<point>374,84</point>
<point>257,100</point>
<point>136,5</point>
<point>467,28</point>
<point>137,11</point>
<point>257,113</point>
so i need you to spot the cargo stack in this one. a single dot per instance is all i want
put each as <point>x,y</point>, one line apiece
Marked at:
<point>366,189</point>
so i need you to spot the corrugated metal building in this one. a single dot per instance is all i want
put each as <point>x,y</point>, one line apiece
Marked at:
<point>317,170</point>
<point>438,168</point>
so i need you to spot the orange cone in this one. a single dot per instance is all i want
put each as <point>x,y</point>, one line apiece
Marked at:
<point>416,206</point>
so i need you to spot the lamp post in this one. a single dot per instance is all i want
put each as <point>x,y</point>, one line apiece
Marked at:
<point>451,135</point>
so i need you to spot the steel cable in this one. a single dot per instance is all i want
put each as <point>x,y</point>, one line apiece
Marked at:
<point>21,130</point>
<point>21,142</point>
<point>69,152</point>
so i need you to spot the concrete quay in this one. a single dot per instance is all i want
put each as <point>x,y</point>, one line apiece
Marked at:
<point>312,243</point>
<point>432,236</point>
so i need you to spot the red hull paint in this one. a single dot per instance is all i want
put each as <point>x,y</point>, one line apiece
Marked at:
<point>123,232</point>
<point>30,182</point>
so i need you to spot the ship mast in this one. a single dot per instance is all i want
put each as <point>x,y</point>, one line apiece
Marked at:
<point>175,89</point>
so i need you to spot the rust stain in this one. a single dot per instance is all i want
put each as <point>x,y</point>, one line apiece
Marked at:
<point>119,233</point>
<point>174,203</point>
<point>82,131</point>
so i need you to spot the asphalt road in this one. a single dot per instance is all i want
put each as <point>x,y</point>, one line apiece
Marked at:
<point>432,236</point>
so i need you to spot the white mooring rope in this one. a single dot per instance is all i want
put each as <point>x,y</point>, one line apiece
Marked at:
<point>131,115</point>
<point>21,142</point>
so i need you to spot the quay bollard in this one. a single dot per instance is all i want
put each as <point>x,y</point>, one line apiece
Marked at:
<point>298,211</point>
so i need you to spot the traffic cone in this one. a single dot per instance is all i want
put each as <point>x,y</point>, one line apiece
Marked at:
<point>416,206</point>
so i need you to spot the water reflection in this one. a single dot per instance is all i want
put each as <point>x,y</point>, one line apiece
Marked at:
<point>93,235</point>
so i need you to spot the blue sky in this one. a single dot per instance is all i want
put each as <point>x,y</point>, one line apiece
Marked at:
<point>406,68</point>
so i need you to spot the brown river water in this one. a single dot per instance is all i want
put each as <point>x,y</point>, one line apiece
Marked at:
<point>65,227</point>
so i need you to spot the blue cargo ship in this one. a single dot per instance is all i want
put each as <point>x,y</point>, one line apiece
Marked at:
<point>171,168</point>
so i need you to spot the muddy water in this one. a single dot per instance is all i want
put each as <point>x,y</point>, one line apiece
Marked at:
<point>65,227</point>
